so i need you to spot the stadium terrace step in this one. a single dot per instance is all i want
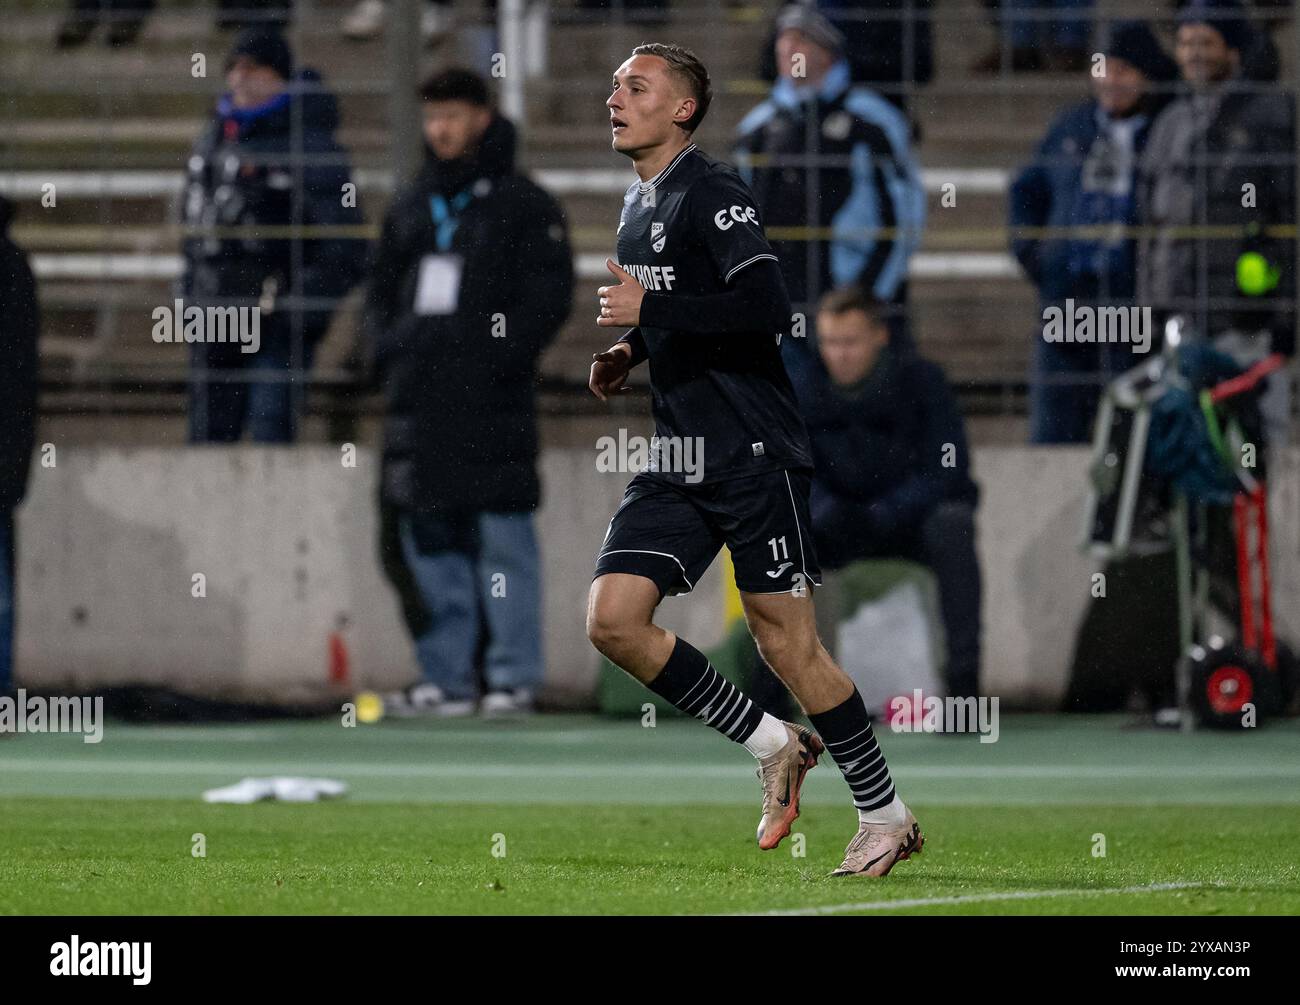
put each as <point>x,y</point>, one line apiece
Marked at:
<point>140,109</point>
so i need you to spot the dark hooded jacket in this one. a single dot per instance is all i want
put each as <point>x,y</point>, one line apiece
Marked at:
<point>460,432</point>
<point>886,454</point>
<point>1206,150</point>
<point>19,328</point>
<point>244,172</point>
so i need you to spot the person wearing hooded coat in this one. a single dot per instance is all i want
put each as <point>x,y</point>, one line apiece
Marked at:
<point>471,279</point>
<point>266,161</point>
<point>19,328</point>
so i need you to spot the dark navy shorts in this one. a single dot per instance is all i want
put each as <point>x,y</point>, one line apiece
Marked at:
<point>670,533</point>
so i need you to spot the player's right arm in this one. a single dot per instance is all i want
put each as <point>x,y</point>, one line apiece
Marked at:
<point>636,341</point>
<point>609,369</point>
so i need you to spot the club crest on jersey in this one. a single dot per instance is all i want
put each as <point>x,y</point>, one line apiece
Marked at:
<point>656,230</point>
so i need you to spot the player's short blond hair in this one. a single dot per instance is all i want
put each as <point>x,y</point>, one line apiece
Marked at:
<point>684,63</point>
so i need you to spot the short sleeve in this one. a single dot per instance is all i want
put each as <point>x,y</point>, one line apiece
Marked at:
<point>725,216</point>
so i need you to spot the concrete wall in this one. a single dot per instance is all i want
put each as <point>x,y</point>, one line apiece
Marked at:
<point>110,539</point>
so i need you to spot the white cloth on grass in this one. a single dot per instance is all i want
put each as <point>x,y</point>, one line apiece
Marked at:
<point>288,790</point>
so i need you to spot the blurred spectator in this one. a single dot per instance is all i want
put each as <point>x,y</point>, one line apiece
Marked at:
<point>471,279</point>
<point>892,466</point>
<point>1036,39</point>
<point>18,378</point>
<point>887,42</point>
<point>268,159</point>
<point>125,19</point>
<point>1222,156</point>
<point>1259,56</point>
<point>253,13</point>
<point>1084,174</point>
<point>822,155</point>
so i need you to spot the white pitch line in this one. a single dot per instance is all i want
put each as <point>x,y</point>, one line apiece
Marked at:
<point>974,898</point>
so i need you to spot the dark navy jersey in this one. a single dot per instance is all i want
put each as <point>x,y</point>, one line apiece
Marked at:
<point>690,231</point>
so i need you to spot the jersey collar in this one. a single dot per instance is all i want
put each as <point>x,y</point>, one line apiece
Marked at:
<point>646,186</point>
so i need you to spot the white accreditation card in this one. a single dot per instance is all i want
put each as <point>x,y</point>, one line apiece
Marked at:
<point>438,290</point>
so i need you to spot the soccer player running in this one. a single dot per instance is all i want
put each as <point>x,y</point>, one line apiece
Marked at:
<point>701,291</point>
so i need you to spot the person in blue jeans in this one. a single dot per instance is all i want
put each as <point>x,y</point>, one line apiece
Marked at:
<point>476,572</point>
<point>471,278</point>
<point>19,328</point>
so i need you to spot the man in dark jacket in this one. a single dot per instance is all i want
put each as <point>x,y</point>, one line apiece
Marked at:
<point>19,328</point>
<point>471,279</point>
<point>892,466</point>
<point>1084,176</point>
<point>266,163</point>
<point>1216,178</point>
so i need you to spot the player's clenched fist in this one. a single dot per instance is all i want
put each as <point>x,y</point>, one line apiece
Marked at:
<point>609,370</point>
<point>620,305</point>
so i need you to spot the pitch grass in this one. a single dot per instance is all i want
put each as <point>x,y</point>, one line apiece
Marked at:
<point>99,856</point>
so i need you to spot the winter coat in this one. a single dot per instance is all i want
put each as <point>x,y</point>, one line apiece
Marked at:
<point>19,328</point>
<point>1061,188</point>
<point>460,431</point>
<point>1220,159</point>
<point>885,456</point>
<point>261,168</point>
<point>868,182</point>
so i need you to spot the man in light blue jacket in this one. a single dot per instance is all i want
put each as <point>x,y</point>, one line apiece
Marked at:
<point>831,166</point>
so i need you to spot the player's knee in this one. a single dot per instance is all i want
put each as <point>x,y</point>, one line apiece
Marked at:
<point>609,633</point>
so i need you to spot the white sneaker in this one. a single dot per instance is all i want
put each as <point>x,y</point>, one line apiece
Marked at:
<point>501,704</point>
<point>366,19</point>
<point>425,700</point>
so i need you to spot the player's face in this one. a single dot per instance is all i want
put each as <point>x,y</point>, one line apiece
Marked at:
<point>646,102</point>
<point>849,344</point>
<point>1203,56</point>
<point>453,128</point>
